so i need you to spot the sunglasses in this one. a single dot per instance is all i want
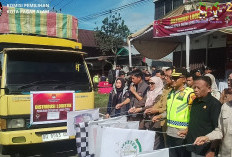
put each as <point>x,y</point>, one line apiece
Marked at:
<point>175,78</point>
<point>151,83</point>
<point>167,76</point>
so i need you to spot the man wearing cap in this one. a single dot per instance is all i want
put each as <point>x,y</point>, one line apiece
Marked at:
<point>178,113</point>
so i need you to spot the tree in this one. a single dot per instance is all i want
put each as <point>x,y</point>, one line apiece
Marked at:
<point>112,34</point>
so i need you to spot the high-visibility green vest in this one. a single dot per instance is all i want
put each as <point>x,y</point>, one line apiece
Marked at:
<point>178,110</point>
<point>96,79</point>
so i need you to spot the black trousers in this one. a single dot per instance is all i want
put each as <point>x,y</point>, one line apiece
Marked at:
<point>159,139</point>
<point>177,152</point>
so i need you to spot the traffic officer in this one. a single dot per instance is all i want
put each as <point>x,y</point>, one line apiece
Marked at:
<point>178,113</point>
<point>96,80</point>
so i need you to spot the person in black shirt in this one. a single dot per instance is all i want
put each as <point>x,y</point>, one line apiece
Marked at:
<point>204,115</point>
<point>118,103</point>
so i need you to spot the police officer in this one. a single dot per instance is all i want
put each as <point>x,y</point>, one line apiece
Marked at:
<point>178,113</point>
<point>96,80</point>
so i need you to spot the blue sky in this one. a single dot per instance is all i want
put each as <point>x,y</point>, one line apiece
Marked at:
<point>135,17</point>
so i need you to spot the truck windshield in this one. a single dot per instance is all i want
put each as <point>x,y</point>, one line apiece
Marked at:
<point>39,71</point>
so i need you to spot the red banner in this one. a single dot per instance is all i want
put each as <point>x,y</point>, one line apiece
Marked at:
<point>51,107</point>
<point>202,20</point>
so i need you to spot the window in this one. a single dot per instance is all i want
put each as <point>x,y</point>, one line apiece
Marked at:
<point>27,71</point>
<point>163,7</point>
<point>159,9</point>
<point>177,3</point>
<point>168,6</point>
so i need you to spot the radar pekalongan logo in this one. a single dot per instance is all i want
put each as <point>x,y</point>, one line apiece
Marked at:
<point>1,9</point>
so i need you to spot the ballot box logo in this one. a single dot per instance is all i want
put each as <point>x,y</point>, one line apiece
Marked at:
<point>130,147</point>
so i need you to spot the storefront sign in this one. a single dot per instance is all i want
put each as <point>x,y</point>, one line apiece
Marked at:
<point>51,107</point>
<point>202,20</point>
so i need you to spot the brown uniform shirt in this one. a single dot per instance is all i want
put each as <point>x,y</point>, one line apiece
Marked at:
<point>161,105</point>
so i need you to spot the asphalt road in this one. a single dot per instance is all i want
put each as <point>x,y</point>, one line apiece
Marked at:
<point>55,149</point>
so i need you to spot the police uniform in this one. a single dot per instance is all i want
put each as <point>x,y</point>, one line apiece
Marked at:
<point>95,81</point>
<point>178,115</point>
<point>178,108</point>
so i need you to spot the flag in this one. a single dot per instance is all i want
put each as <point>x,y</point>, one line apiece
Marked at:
<point>123,125</point>
<point>158,153</point>
<point>82,140</point>
<point>124,142</point>
<point>75,117</point>
<point>95,130</point>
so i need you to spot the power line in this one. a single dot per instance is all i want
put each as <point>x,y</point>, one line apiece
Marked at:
<point>105,12</point>
<point>69,2</point>
<point>53,8</point>
<point>111,11</point>
<point>57,3</point>
<point>62,7</point>
<point>49,3</point>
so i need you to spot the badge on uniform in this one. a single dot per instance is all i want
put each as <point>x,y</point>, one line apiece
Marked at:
<point>181,96</point>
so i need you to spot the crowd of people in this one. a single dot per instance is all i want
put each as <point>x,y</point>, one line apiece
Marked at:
<point>183,108</point>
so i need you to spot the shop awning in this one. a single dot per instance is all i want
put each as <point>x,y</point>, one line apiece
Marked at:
<point>153,48</point>
<point>226,30</point>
